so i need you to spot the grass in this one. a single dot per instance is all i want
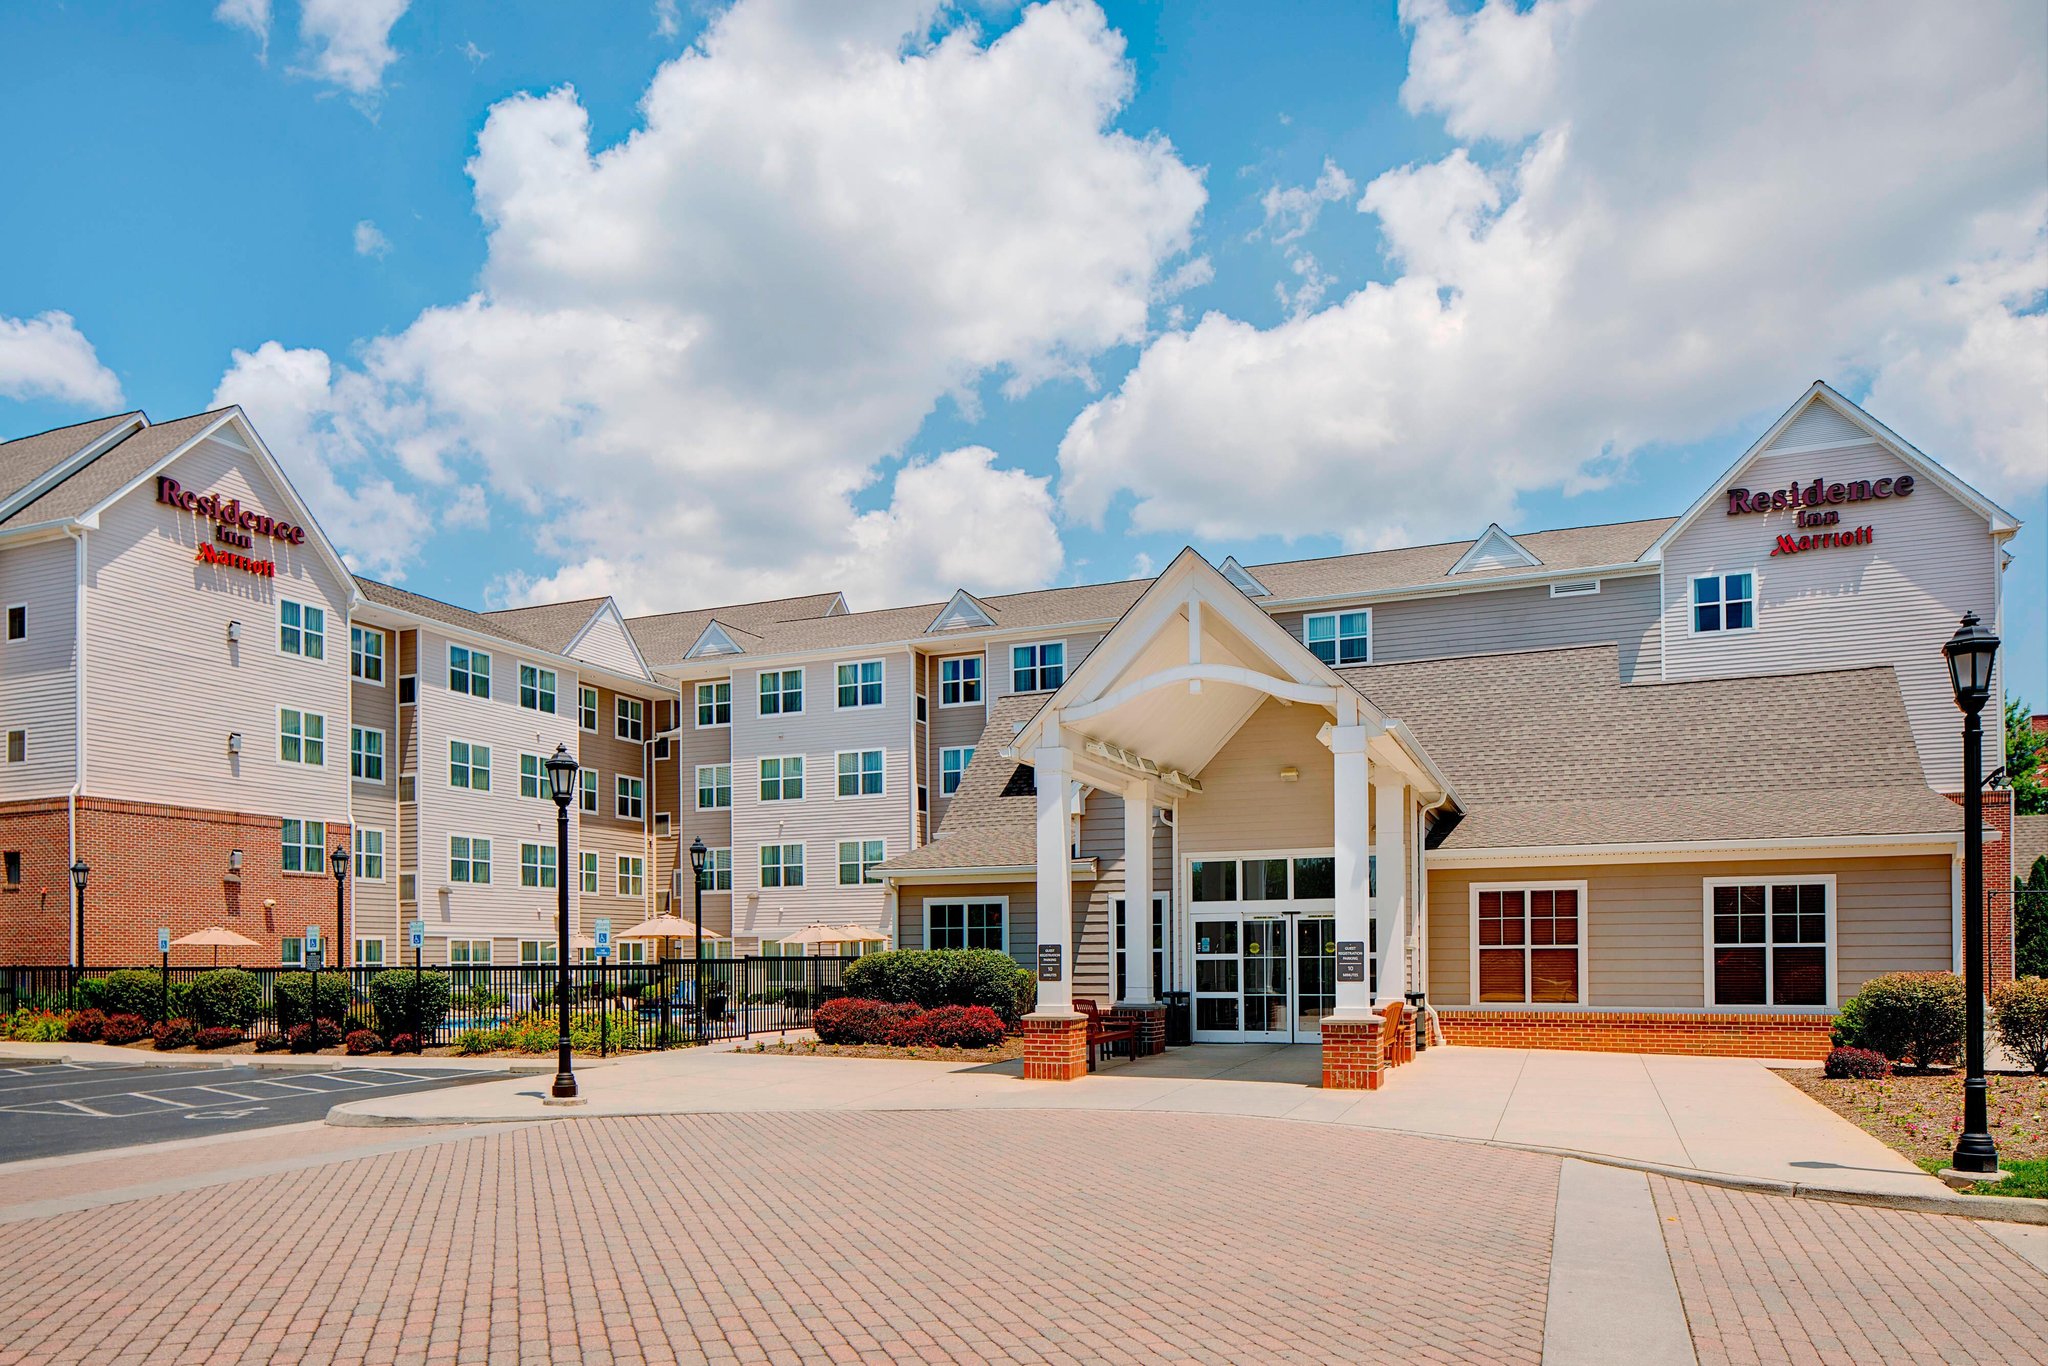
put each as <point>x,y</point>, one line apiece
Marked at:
<point>1919,1115</point>
<point>2027,1178</point>
<point>1009,1049</point>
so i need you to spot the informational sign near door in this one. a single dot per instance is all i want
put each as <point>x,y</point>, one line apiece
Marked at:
<point>1050,962</point>
<point>1351,960</point>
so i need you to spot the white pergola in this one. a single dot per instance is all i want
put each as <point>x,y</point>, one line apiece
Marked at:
<point>1156,701</point>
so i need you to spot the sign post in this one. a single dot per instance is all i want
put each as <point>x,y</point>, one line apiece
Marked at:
<point>163,946</point>
<point>418,935</point>
<point>603,931</point>
<point>313,997</point>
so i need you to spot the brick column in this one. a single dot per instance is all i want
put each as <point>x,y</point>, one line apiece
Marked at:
<point>1354,1058</point>
<point>1151,1023</point>
<point>1055,1046</point>
<point>1998,898</point>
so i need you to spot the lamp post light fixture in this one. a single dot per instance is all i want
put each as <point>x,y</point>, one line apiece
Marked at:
<point>698,855</point>
<point>1971,652</point>
<point>561,767</point>
<point>338,861</point>
<point>78,875</point>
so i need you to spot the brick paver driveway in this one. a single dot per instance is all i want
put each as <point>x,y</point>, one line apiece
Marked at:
<point>1023,1236</point>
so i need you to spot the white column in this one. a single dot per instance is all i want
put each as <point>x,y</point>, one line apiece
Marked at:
<point>1390,802</point>
<point>1353,849</point>
<point>1138,944</point>
<point>1053,774</point>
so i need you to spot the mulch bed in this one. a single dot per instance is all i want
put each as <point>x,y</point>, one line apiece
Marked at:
<point>1006,1051</point>
<point>1920,1115</point>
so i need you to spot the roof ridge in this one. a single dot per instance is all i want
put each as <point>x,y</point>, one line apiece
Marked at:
<point>1464,540</point>
<point>73,426</point>
<point>734,606</point>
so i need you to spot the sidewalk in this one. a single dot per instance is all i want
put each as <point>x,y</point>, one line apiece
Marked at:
<point>1707,1117</point>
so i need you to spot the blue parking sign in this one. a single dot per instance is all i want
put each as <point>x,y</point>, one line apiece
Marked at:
<point>604,937</point>
<point>163,941</point>
<point>418,933</point>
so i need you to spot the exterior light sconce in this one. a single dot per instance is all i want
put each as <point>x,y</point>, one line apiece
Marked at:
<point>234,865</point>
<point>234,742</point>
<point>1290,774</point>
<point>234,632</point>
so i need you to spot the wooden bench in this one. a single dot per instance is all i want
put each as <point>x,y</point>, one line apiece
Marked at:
<point>1397,1038</point>
<point>1103,1031</point>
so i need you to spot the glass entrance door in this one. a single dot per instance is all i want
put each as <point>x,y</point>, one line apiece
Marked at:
<point>1264,977</point>
<point>1315,974</point>
<point>1268,985</point>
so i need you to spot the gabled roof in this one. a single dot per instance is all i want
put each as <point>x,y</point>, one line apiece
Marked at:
<point>1495,550</point>
<point>717,640</point>
<point>962,611</point>
<point>113,469</point>
<point>667,637</point>
<point>447,613</point>
<point>23,460</point>
<point>1247,583</point>
<point>1563,550</point>
<point>992,819</point>
<point>552,624</point>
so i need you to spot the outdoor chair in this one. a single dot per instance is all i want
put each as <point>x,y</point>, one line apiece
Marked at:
<point>1103,1031</point>
<point>1398,1044</point>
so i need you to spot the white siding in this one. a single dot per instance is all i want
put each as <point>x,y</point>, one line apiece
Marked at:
<point>1893,601</point>
<point>164,686</point>
<point>38,680</point>
<point>606,644</point>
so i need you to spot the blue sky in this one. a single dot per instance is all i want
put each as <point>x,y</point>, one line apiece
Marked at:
<point>895,297</point>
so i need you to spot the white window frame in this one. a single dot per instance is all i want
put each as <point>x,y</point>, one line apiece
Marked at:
<point>542,852</point>
<point>302,844</point>
<point>625,709</point>
<point>1767,880</point>
<point>1585,940</point>
<point>959,685</point>
<point>861,863</point>
<point>469,766</point>
<point>781,692</point>
<point>783,865</point>
<point>958,776</point>
<point>714,704</point>
<point>963,902</point>
<point>320,634</point>
<point>469,957</point>
<point>626,788</point>
<point>356,839</point>
<point>860,774</point>
<point>1337,636</point>
<point>291,951</point>
<point>469,673</point>
<point>860,685</point>
<point>718,863</point>
<point>541,788</point>
<point>545,952</point>
<point>588,781</point>
<point>587,868</point>
<point>1037,668</point>
<point>553,690</point>
<point>408,690</point>
<point>20,736</point>
<point>664,825</point>
<point>22,608</point>
<point>713,785</point>
<point>362,960</point>
<point>586,707</point>
<point>782,777</point>
<point>638,865</point>
<point>357,637</point>
<point>469,861</point>
<point>1720,578</point>
<point>382,738</point>
<point>303,715</point>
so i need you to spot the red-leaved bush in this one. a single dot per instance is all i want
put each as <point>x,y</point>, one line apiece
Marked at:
<point>1859,1064</point>
<point>86,1025</point>
<point>218,1036</point>
<point>124,1029</point>
<point>178,1032</point>
<point>404,1043</point>
<point>857,1020</point>
<point>961,1027</point>
<point>361,1041</point>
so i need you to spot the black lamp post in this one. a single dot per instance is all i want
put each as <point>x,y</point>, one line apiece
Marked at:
<point>698,854</point>
<point>78,872</point>
<point>338,861</point>
<point>1971,651</point>
<point>561,766</point>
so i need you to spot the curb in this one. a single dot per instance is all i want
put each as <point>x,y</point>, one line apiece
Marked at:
<point>263,1061</point>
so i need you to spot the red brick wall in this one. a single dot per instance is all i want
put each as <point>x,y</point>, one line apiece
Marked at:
<point>1998,929</point>
<point>1354,1055</point>
<point>1711,1035</point>
<point>1055,1048</point>
<point>154,866</point>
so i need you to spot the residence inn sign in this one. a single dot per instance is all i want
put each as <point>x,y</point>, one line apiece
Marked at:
<point>1816,505</point>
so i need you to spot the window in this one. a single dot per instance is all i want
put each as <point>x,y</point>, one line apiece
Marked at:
<point>1528,946</point>
<point>408,690</point>
<point>860,773</point>
<point>369,854</point>
<point>301,737</point>
<point>305,846</point>
<point>1723,602</point>
<point>366,754</point>
<point>625,952</point>
<point>366,654</point>
<point>13,867</point>
<point>537,688</point>
<point>536,865</point>
<point>629,801</point>
<point>469,952</point>
<point>17,622</point>
<point>960,681</point>
<point>782,865</point>
<point>369,953</point>
<point>663,825</point>
<point>860,685</point>
<point>1770,942</point>
<point>782,692</point>
<point>632,874</point>
<point>782,779</point>
<point>588,778</point>
<point>920,708</point>
<point>714,787</point>
<point>469,671</point>
<point>469,859</point>
<point>586,709</point>
<point>630,723</point>
<point>17,746</point>
<point>533,778</point>
<point>1038,668</point>
<point>714,704</point>
<point>661,747</point>
<point>1158,947</point>
<point>291,952</point>
<point>952,767</point>
<point>718,870</point>
<point>408,787</point>
<point>965,925</point>
<point>408,887</point>
<point>469,766</point>
<point>589,874</point>
<point>857,860</point>
<point>1339,637</point>
<point>301,629</point>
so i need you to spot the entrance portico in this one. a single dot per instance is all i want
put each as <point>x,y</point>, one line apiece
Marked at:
<point>1196,675</point>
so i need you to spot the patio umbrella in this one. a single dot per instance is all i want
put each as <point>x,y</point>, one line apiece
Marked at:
<point>216,938</point>
<point>816,935</point>
<point>666,927</point>
<point>862,934</point>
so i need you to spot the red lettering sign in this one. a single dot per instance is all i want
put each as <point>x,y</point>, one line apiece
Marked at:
<point>228,512</point>
<point>1818,493</point>
<point>265,569</point>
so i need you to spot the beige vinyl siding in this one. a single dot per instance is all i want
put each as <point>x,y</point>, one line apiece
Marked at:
<point>1102,839</point>
<point>1022,915</point>
<point>1246,805</point>
<point>1645,923</point>
<point>951,728</point>
<point>998,680</point>
<point>374,805</point>
<point>408,746</point>
<point>1496,620</point>
<point>38,678</point>
<point>608,841</point>
<point>1893,601</point>
<point>157,648</point>
<point>606,644</point>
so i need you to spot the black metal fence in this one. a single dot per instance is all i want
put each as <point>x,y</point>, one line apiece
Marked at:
<point>612,1007</point>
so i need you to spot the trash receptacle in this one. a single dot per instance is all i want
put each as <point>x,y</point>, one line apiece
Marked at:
<point>1180,1025</point>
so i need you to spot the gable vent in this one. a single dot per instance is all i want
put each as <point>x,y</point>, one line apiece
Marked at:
<point>1575,588</point>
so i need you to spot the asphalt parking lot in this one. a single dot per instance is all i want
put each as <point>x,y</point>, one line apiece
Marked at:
<point>48,1109</point>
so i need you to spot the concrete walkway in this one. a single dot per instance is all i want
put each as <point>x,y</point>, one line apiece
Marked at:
<point>1720,1116</point>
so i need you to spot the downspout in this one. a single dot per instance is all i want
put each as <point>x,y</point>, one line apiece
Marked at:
<point>1420,921</point>
<point>77,535</point>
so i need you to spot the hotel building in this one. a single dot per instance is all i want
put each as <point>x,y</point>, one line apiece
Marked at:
<point>1681,783</point>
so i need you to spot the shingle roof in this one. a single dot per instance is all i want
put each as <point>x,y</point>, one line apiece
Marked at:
<point>1580,547</point>
<point>21,460</point>
<point>992,821</point>
<point>2029,842</point>
<point>666,637</point>
<point>112,470</point>
<point>553,624</point>
<point>447,613</point>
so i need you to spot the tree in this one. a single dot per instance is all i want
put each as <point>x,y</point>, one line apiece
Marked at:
<point>2030,922</point>
<point>2026,749</point>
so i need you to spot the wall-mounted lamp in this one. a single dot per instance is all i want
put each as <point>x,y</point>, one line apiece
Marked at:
<point>234,742</point>
<point>234,631</point>
<point>234,862</point>
<point>1290,774</point>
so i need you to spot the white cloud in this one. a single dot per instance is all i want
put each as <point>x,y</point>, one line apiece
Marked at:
<point>253,15</point>
<point>692,351</point>
<point>1661,224</point>
<point>1292,210</point>
<point>48,357</point>
<point>668,18</point>
<point>370,240</point>
<point>347,43</point>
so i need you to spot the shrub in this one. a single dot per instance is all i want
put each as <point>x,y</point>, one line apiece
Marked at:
<point>940,977</point>
<point>961,1027</point>
<point>361,1041</point>
<point>86,1025</point>
<point>132,991</point>
<point>1916,1016</point>
<point>293,990</point>
<point>476,1000</point>
<point>32,1025</point>
<point>124,1029</point>
<point>857,1019</point>
<point>404,1043</point>
<point>2019,1012</point>
<point>400,1004</point>
<point>218,1036</point>
<point>1856,1063</point>
<point>478,1040</point>
<point>271,1043</point>
<point>175,1033</point>
<point>224,997</point>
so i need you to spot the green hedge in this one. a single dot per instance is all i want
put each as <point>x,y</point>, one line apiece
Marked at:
<point>403,1008</point>
<point>1915,1017</point>
<point>292,990</point>
<point>944,977</point>
<point>225,998</point>
<point>131,991</point>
